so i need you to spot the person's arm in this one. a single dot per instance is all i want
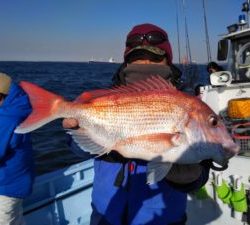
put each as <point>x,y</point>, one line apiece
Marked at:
<point>7,127</point>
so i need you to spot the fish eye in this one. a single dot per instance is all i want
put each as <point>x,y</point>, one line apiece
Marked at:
<point>213,121</point>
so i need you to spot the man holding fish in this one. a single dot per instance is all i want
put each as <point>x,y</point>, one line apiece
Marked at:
<point>152,140</point>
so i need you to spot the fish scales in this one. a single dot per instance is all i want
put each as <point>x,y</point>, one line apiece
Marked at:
<point>151,118</point>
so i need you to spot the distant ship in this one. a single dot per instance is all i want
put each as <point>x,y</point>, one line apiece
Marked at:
<point>111,60</point>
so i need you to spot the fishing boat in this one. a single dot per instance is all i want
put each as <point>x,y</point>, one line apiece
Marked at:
<point>63,197</point>
<point>226,199</point>
<point>110,60</point>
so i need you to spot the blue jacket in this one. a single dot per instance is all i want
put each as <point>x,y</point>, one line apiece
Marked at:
<point>121,196</point>
<point>134,202</point>
<point>16,161</point>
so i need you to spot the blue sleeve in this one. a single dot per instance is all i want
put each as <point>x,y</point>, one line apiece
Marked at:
<point>7,127</point>
<point>193,186</point>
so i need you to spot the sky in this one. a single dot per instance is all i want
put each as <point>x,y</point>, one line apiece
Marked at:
<point>79,30</point>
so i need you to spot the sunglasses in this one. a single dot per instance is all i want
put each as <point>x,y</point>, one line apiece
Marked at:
<point>153,38</point>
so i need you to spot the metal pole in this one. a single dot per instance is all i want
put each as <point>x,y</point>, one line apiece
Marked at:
<point>206,33</point>
<point>178,32</point>
<point>188,50</point>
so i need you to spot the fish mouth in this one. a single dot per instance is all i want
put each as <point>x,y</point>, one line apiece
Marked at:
<point>231,150</point>
<point>227,151</point>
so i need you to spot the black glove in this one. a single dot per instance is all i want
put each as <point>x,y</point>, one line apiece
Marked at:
<point>188,177</point>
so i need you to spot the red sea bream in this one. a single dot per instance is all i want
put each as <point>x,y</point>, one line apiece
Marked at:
<point>149,120</point>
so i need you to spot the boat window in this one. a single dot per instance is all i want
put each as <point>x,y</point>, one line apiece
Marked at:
<point>222,50</point>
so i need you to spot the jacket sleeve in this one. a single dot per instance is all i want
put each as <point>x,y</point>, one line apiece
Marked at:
<point>7,127</point>
<point>195,185</point>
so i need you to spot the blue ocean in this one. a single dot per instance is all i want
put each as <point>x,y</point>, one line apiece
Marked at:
<point>69,79</point>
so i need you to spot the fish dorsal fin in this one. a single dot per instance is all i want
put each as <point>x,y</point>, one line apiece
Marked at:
<point>156,83</point>
<point>153,83</point>
<point>87,96</point>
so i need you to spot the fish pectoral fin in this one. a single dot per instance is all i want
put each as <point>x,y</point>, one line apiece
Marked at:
<point>168,139</point>
<point>178,139</point>
<point>156,171</point>
<point>85,142</point>
<point>159,142</point>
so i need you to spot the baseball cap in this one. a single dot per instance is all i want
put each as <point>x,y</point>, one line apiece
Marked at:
<point>161,49</point>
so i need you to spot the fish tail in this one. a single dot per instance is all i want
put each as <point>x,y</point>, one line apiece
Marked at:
<point>45,107</point>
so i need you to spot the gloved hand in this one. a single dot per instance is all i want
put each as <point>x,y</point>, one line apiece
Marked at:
<point>184,173</point>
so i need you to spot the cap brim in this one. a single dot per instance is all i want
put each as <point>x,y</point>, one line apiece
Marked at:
<point>149,48</point>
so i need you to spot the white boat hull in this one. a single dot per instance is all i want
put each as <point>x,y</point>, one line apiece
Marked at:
<point>212,210</point>
<point>62,197</point>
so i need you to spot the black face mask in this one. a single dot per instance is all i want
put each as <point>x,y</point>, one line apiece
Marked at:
<point>135,72</point>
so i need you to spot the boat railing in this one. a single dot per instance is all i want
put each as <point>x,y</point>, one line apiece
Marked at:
<point>52,192</point>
